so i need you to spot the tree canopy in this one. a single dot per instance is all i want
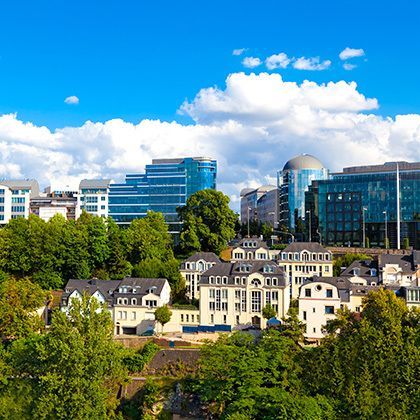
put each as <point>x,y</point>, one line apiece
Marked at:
<point>208,222</point>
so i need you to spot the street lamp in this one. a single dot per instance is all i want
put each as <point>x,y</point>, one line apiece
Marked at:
<point>310,229</point>
<point>386,228</point>
<point>364,226</point>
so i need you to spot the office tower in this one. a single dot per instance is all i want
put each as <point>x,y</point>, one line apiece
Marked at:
<point>93,197</point>
<point>165,185</point>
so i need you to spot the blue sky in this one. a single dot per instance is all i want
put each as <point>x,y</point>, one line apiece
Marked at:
<point>158,79</point>
<point>138,59</point>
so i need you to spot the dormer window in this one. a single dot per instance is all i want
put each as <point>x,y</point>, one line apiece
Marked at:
<point>373,272</point>
<point>268,268</point>
<point>356,271</point>
<point>224,280</point>
<point>211,280</point>
<point>327,257</point>
<point>296,256</point>
<point>283,256</point>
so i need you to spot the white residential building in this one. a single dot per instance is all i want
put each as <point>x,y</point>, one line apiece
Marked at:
<point>400,270</point>
<point>234,294</point>
<point>253,249</point>
<point>15,198</point>
<point>192,269</point>
<point>303,260</point>
<point>93,197</point>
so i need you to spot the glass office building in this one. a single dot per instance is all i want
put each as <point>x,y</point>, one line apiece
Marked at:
<point>165,185</point>
<point>361,202</point>
<point>293,181</point>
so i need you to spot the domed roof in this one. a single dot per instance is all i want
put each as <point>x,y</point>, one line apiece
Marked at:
<point>303,161</point>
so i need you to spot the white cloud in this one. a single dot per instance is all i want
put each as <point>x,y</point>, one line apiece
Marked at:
<point>351,53</point>
<point>311,63</point>
<point>252,127</point>
<point>348,66</point>
<point>276,61</point>
<point>251,62</point>
<point>239,51</point>
<point>71,100</point>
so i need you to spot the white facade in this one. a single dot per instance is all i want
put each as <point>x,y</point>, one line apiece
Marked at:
<point>301,261</point>
<point>15,199</point>
<point>253,249</point>
<point>92,197</point>
<point>237,298</point>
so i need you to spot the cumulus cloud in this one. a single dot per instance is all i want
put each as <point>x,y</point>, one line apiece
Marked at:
<point>348,66</point>
<point>276,61</point>
<point>311,63</point>
<point>238,51</point>
<point>251,62</point>
<point>351,53</point>
<point>71,100</point>
<point>252,127</point>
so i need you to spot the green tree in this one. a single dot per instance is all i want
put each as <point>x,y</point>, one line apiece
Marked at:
<point>19,301</point>
<point>370,365</point>
<point>117,264</point>
<point>406,243</point>
<point>163,315</point>
<point>76,369</point>
<point>208,222</point>
<point>268,311</point>
<point>149,238</point>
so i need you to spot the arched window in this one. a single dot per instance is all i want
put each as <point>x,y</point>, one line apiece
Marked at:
<point>256,283</point>
<point>134,301</point>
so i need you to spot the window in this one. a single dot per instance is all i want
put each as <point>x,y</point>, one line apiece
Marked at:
<point>192,318</point>
<point>211,306</point>
<point>314,330</point>
<point>224,293</point>
<point>211,293</point>
<point>243,300</point>
<point>211,319</point>
<point>124,315</point>
<point>329,293</point>
<point>237,307</point>
<point>326,268</point>
<point>256,301</point>
<point>187,318</point>
<point>224,319</point>
<point>329,309</point>
<point>237,294</point>
<point>182,317</point>
<point>275,295</point>
<point>237,319</point>
<point>134,301</point>
<point>313,310</point>
<point>133,316</point>
<point>304,315</point>
<point>308,293</point>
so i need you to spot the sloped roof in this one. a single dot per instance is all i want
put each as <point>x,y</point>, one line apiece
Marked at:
<point>94,183</point>
<point>142,285</point>
<point>106,287</point>
<point>364,267</point>
<point>206,256</point>
<point>305,246</point>
<point>406,262</point>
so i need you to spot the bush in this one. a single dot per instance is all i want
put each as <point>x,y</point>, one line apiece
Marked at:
<point>135,361</point>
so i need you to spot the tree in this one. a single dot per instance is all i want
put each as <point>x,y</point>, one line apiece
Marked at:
<point>406,243</point>
<point>117,264</point>
<point>163,315</point>
<point>149,238</point>
<point>268,311</point>
<point>19,301</point>
<point>76,369</point>
<point>208,222</point>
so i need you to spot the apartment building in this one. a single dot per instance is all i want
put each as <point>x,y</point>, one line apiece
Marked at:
<point>15,196</point>
<point>253,248</point>
<point>400,270</point>
<point>48,205</point>
<point>303,260</point>
<point>235,293</point>
<point>320,298</point>
<point>93,197</point>
<point>193,267</point>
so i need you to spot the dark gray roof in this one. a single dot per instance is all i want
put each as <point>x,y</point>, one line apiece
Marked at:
<point>406,262</point>
<point>364,267</point>
<point>303,161</point>
<point>305,246</point>
<point>143,285</point>
<point>259,243</point>
<point>206,256</point>
<point>106,287</point>
<point>231,270</point>
<point>94,183</point>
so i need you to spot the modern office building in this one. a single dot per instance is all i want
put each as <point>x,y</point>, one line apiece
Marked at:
<point>259,204</point>
<point>93,197</point>
<point>15,196</point>
<point>165,185</point>
<point>362,205</point>
<point>293,181</point>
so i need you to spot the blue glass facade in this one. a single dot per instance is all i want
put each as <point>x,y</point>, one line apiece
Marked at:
<point>165,185</point>
<point>294,180</point>
<point>370,193</point>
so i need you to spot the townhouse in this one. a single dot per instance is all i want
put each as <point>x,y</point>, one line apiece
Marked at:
<point>253,249</point>
<point>193,267</point>
<point>234,293</point>
<point>303,260</point>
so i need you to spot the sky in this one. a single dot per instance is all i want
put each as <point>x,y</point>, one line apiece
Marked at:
<point>99,88</point>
